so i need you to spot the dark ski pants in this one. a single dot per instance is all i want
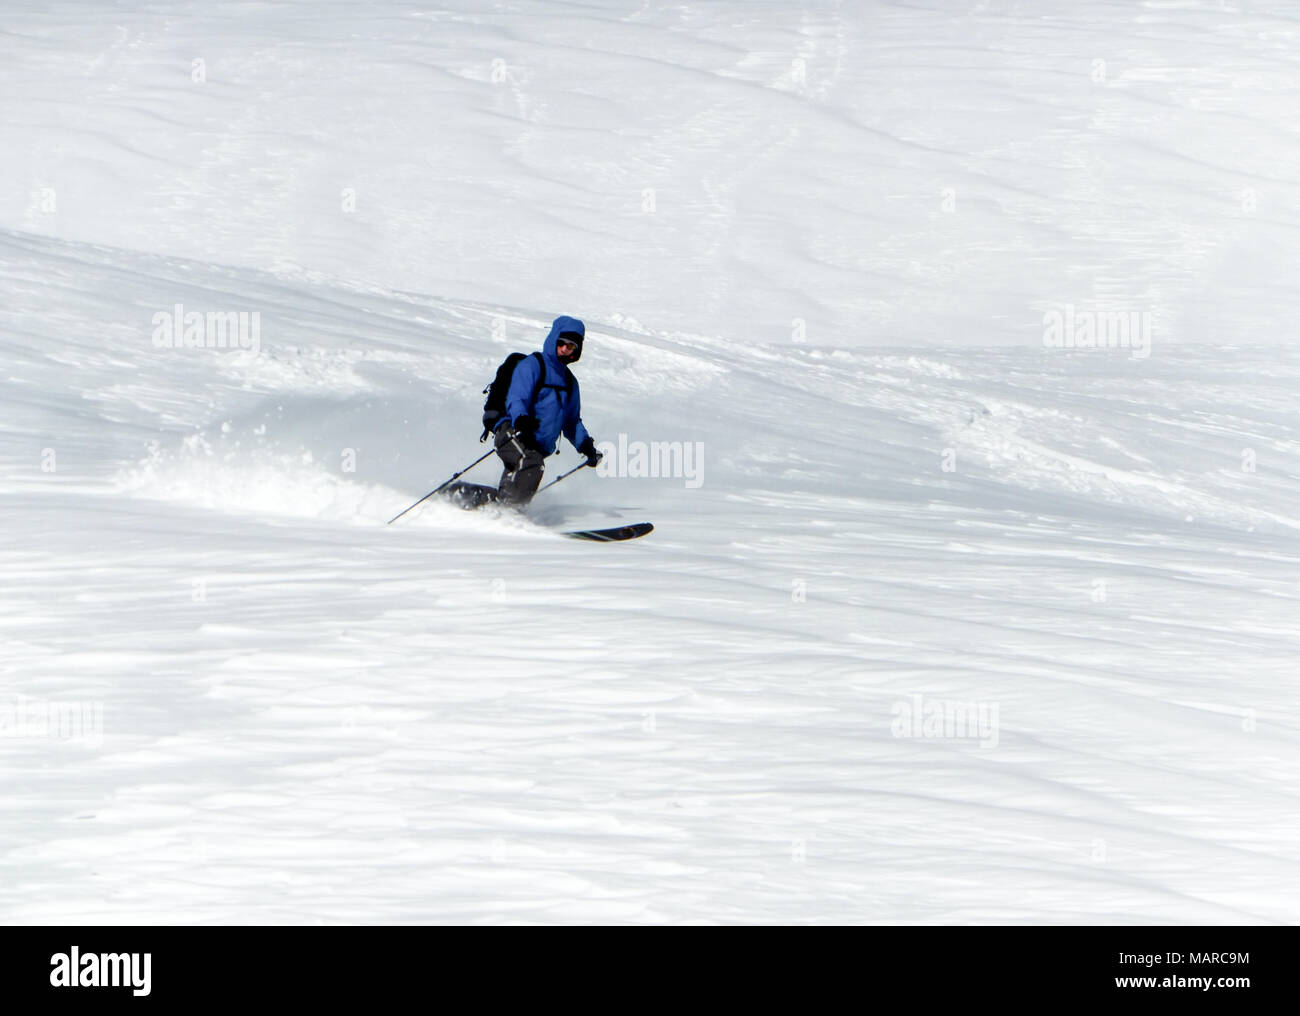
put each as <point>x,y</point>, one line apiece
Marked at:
<point>524,466</point>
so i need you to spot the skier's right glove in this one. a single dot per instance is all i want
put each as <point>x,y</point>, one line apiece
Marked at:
<point>588,448</point>
<point>526,430</point>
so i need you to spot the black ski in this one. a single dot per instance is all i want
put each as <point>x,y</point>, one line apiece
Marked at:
<point>611,535</point>
<point>469,495</point>
<point>475,495</point>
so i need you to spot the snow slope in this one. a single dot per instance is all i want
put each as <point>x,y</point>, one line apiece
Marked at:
<point>923,173</point>
<point>230,693</point>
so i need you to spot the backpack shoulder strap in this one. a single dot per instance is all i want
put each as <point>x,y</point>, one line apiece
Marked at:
<point>541,379</point>
<point>569,380</point>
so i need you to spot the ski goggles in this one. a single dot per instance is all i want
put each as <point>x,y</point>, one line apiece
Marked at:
<point>569,341</point>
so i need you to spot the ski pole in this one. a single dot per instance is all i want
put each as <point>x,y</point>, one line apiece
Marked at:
<point>561,477</point>
<point>452,477</point>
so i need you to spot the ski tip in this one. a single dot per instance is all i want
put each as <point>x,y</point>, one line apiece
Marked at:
<point>614,535</point>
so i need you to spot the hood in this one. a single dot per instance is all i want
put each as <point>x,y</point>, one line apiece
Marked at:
<point>562,324</point>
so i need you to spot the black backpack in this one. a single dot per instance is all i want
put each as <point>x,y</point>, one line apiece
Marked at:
<point>494,408</point>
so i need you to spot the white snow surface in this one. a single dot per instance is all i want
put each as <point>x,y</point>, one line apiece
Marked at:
<point>817,239</point>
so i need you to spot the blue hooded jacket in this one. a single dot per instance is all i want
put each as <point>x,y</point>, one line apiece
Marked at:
<point>557,411</point>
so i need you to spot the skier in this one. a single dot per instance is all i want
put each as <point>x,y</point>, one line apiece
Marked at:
<point>536,415</point>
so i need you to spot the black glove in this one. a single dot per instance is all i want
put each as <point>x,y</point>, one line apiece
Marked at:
<point>525,429</point>
<point>588,448</point>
